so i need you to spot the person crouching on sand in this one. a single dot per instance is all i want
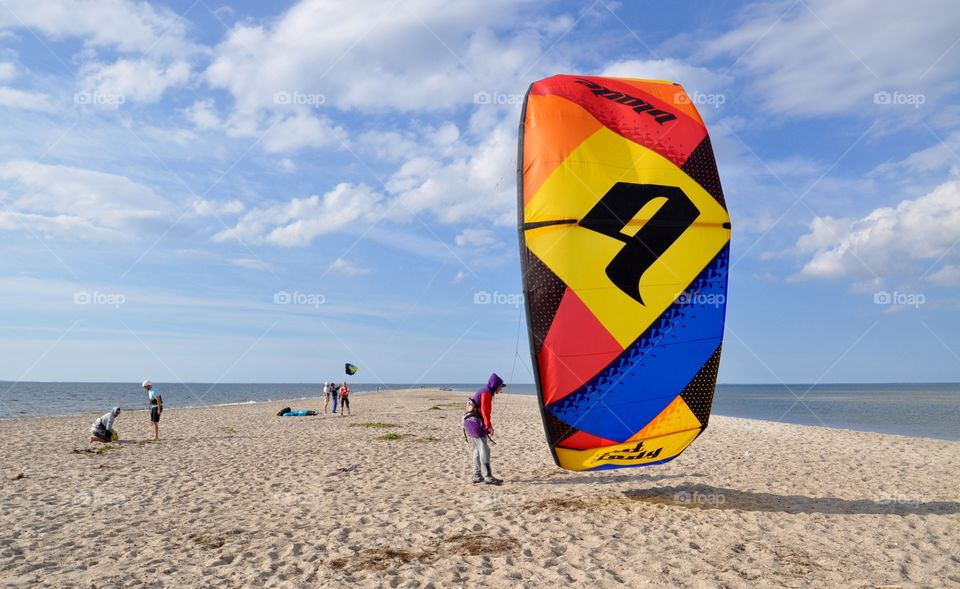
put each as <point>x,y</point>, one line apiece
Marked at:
<point>156,407</point>
<point>344,399</point>
<point>102,429</point>
<point>478,428</point>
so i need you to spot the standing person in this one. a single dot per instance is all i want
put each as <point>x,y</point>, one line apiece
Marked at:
<point>102,429</point>
<point>334,395</point>
<point>156,407</point>
<point>478,428</point>
<point>344,399</point>
<point>326,396</point>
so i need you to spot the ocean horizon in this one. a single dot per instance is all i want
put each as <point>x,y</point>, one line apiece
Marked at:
<point>930,410</point>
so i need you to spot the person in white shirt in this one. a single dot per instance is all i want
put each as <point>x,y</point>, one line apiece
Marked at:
<point>102,429</point>
<point>156,407</point>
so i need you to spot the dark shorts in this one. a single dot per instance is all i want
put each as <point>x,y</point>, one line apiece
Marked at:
<point>101,434</point>
<point>345,402</point>
<point>155,414</point>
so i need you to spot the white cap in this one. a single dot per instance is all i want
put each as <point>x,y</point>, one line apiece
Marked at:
<point>147,383</point>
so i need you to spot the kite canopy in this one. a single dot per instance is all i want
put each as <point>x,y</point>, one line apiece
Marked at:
<point>350,369</point>
<point>624,242</point>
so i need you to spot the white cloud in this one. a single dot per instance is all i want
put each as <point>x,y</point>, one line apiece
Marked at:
<point>137,80</point>
<point>7,71</point>
<point>826,57</point>
<point>890,241</point>
<point>125,25</point>
<point>209,208</point>
<point>473,181</point>
<point>301,220</point>
<point>290,133</point>
<point>459,277</point>
<point>287,165</point>
<point>251,264</point>
<point>476,238</point>
<point>77,203</point>
<point>345,268</point>
<point>423,54</point>
<point>22,99</point>
<point>203,114</point>
<point>693,78</point>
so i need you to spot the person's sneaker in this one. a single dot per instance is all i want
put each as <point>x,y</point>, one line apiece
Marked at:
<point>493,481</point>
<point>477,479</point>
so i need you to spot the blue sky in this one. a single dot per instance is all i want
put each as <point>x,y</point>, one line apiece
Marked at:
<point>260,192</point>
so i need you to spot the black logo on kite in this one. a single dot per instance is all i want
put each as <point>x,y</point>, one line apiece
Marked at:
<point>638,452</point>
<point>639,105</point>
<point>618,207</point>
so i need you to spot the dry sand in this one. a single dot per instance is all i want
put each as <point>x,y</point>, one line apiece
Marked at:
<point>235,496</point>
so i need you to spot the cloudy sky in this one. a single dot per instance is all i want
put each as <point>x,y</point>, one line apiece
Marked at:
<point>260,191</point>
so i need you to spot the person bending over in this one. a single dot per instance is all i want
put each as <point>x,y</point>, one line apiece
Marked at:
<point>102,429</point>
<point>478,429</point>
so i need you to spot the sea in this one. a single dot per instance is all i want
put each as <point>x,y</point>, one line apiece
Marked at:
<point>919,410</point>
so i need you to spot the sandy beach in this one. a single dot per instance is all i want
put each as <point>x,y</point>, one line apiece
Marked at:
<point>237,497</point>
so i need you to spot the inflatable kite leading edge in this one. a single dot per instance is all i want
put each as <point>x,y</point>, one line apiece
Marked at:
<point>624,244</point>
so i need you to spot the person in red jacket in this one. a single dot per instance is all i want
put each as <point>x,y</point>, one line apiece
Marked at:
<point>478,428</point>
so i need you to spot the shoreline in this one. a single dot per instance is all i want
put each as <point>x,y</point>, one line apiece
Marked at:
<point>281,402</point>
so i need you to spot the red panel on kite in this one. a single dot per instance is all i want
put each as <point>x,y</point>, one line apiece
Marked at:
<point>576,348</point>
<point>675,141</point>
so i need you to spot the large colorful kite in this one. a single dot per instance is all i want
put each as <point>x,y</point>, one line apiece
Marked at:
<point>624,242</point>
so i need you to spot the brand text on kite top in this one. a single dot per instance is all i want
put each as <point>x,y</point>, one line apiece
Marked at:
<point>639,105</point>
